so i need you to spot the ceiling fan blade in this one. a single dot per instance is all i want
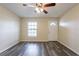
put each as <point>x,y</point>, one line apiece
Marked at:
<point>31,6</point>
<point>24,4</point>
<point>45,11</point>
<point>49,4</point>
<point>28,5</point>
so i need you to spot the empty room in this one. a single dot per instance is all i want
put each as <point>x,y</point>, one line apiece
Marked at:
<point>39,29</point>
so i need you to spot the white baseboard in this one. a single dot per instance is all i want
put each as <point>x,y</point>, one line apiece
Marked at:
<point>8,47</point>
<point>68,47</point>
<point>38,40</point>
<point>53,40</point>
<point>34,41</point>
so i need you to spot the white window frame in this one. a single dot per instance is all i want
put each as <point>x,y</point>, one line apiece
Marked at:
<point>32,29</point>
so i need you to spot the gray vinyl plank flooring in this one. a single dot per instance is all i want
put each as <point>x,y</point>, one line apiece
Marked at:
<point>38,49</point>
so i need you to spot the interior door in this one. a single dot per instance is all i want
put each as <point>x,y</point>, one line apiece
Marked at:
<point>52,31</point>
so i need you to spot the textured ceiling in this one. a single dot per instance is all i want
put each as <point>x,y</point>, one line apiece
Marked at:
<point>22,11</point>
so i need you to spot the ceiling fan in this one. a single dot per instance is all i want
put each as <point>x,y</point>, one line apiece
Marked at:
<point>41,7</point>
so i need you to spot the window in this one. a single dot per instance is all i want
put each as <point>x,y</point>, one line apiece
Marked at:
<point>32,29</point>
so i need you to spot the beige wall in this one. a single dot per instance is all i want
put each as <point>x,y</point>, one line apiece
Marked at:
<point>43,30</point>
<point>9,29</point>
<point>69,29</point>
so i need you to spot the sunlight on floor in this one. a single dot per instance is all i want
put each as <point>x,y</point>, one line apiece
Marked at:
<point>32,50</point>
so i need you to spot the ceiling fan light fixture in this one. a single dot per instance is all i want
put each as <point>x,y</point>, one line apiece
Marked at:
<point>41,9</point>
<point>37,10</point>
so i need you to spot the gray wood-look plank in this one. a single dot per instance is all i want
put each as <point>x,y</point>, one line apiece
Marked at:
<point>38,49</point>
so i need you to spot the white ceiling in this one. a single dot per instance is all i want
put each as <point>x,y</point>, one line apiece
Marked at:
<point>22,11</point>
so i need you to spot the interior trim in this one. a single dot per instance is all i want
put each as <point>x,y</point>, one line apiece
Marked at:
<point>68,47</point>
